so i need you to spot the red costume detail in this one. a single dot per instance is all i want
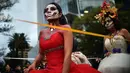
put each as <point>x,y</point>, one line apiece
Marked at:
<point>55,58</point>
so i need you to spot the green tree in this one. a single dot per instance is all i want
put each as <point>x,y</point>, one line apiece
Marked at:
<point>123,13</point>
<point>5,19</point>
<point>90,45</point>
<point>18,42</point>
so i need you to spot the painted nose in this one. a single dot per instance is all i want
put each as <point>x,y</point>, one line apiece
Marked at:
<point>49,11</point>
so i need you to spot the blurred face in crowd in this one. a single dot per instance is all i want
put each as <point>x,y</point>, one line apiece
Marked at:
<point>18,68</point>
<point>27,64</point>
<point>7,67</point>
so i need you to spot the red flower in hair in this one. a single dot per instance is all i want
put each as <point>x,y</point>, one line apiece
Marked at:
<point>106,11</point>
<point>105,4</point>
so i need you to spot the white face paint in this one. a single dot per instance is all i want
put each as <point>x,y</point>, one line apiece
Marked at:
<point>51,12</point>
<point>109,23</point>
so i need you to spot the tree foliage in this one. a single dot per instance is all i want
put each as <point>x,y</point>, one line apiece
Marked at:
<point>5,19</point>
<point>18,42</point>
<point>90,45</point>
<point>123,13</point>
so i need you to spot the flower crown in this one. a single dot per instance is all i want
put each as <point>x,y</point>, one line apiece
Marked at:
<point>107,10</point>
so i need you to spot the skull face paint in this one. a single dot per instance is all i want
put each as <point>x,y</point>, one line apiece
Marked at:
<point>51,12</point>
<point>108,23</point>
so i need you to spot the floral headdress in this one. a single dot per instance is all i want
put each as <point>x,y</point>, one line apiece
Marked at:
<point>107,10</point>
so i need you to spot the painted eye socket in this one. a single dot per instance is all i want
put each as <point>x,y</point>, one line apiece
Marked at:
<point>52,8</point>
<point>108,19</point>
<point>46,9</point>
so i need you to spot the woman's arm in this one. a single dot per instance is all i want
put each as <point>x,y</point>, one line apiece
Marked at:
<point>40,55</point>
<point>38,59</point>
<point>68,42</point>
<point>33,65</point>
<point>105,50</point>
<point>126,34</point>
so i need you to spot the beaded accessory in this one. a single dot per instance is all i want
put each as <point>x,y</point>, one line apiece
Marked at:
<point>53,49</point>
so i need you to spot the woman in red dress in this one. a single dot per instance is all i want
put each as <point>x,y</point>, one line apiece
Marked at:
<point>56,45</point>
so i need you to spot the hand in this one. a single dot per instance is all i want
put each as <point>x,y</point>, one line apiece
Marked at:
<point>107,54</point>
<point>98,60</point>
<point>31,67</point>
<point>82,57</point>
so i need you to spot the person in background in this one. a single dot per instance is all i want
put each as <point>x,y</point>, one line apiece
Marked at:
<point>8,69</point>
<point>117,59</point>
<point>18,69</point>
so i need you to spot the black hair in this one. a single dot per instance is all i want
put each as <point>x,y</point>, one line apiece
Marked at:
<point>117,24</point>
<point>62,19</point>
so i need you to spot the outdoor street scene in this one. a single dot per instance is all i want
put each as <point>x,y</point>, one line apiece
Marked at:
<point>64,36</point>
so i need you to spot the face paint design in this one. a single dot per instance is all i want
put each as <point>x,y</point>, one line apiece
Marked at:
<point>108,23</point>
<point>51,12</point>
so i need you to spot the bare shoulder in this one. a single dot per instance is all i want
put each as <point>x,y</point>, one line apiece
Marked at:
<point>43,30</point>
<point>124,31</point>
<point>66,26</point>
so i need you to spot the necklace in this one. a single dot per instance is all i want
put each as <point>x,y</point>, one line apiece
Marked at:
<point>52,29</point>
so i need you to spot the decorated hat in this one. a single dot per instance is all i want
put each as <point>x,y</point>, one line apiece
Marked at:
<point>107,10</point>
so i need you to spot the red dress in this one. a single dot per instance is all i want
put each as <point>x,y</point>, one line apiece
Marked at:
<point>55,58</point>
